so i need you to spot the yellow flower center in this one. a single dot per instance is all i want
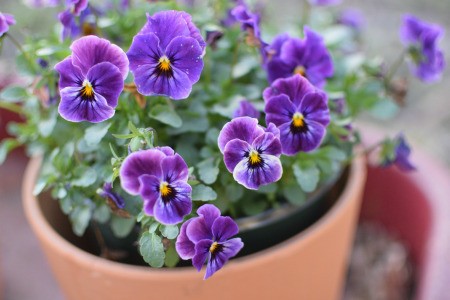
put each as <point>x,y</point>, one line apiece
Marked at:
<point>298,120</point>
<point>165,189</point>
<point>300,70</point>
<point>164,64</point>
<point>213,247</point>
<point>87,90</point>
<point>254,157</point>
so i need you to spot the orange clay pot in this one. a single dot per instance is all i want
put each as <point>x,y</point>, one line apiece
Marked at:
<point>310,265</point>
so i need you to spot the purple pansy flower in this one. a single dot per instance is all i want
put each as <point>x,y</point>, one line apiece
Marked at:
<point>108,193</point>
<point>402,152</point>
<point>353,18</point>
<point>300,112</point>
<point>91,80</point>
<point>160,177</point>
<point>166,55</point>
<point>421,38</point>
<point>324,2</point>
<point>6,20</point>
<point>308,57</point>
<point>251,153</point>
<point>208,237</point>
<point>75,19</point>
<point>246,109</point>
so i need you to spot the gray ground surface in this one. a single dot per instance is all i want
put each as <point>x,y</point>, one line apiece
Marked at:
<point>426,121</point>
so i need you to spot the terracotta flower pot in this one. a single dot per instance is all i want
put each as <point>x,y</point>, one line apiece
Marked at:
<point>310,265</point>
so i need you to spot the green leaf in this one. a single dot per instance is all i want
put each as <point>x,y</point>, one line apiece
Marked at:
<point>172,257</point>
<point>244,66</point>
<point>166,115</point>
<point>14,94</point>
<point>102,214</point>
<point>46,126</point>
<point>39,187</point>
<point>152,249</point>
<point>121,227</point>
<point>293,193</point>
<point>153,227</point>
<point>307,175</point>
<point>80,217</point>
<point>208,170</point>
<point>203,193</point>
<point>94,134</point>
<point>169,231</point>
<point>66,205</point>
<point>85,176</point>
<point>6,146</point>
<point>234,192</point>
<point>384,109</point>
<point>253,206</point>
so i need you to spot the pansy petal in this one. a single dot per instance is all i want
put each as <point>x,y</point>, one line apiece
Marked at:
<point>243,128</point>
<point>69,75</point>
<point>246,109</point>
<point>185,55</point>
<point>91,50</point>
<point>194,31</point>
<point>277,68</point>
<point>209,213</point>
<point>174,168</point>
<point>137,164</point>
<point>295,87</point>
<point>217,261</point>
<point>267,144</point>
<point>253,178</point>
<point>144,50</point>
<point>314,107</point>
<point>166,150</point>
<point>272,128</point>
<point>184,246</point>
<point>201,253</point>
<point>224,228</point>
<point>149,190</point>
<point>234,152</point>
<point>173,211</point>
<point>167,25</point>
<point>73,108</point>
<point>107,81</point>
<point>200,228</point>
<point>279,110</point>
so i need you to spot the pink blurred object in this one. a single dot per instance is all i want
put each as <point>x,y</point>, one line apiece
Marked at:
<point>415,208</point>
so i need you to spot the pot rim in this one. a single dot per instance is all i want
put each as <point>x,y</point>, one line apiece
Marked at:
<point>46,234</point>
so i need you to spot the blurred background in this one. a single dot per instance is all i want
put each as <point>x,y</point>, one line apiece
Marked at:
<point>425,120</point>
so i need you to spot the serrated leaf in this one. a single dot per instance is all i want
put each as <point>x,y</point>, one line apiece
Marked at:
<point>121,227</point>
<point>166,115</point>
<point>202,192</point>
<point>14,94</point>
<point>152,249</point>
<point>307,175</point>
<point>169,231</point>
<point>94,134</point>
<point>208,170</point>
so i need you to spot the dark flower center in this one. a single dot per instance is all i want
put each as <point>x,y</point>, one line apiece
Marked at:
<point>164,67</point>
<point>168,193</point>
<point>87,91</point>
<point>254,159</point>
<point>215,247</point>
<point>298,124</point>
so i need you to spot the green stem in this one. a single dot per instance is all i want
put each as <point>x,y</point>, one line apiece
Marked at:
<point>20,48</point>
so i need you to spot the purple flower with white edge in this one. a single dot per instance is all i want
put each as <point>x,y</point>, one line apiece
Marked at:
<point>300,112</point>
<point>421,39</point>
<point>166,55</point>
<point>6,20</point>
<point>160,177</point>
<point>324,2</point>
<point>402,153</point>
<point>308,57</point>
<point>246,109</point>
<point>91,80</point>
<point>250,153</point>
<point>208,238</point>
<point>108,193</point>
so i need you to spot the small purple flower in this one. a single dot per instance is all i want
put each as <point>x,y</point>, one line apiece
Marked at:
<point>300,112</point>
<point>324,2</point>
<point>160,177</point>
<point>76,25</point>
<point>6,20</point>
<point>166,55</point>
<point>421,38</point>
<point>246,109</point>
<point>208,237</point>
<point>76,6</point>
<point>402,154</point>
<point>353,18</point>
<point>91,80</point>
<point>212,37</point>
<point>41,3</point>
<point>108,193</point>
<point>308,57</point>
<point>250,153</point>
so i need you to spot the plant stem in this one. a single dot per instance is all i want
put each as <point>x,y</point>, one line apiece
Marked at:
<point>20,48</point>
